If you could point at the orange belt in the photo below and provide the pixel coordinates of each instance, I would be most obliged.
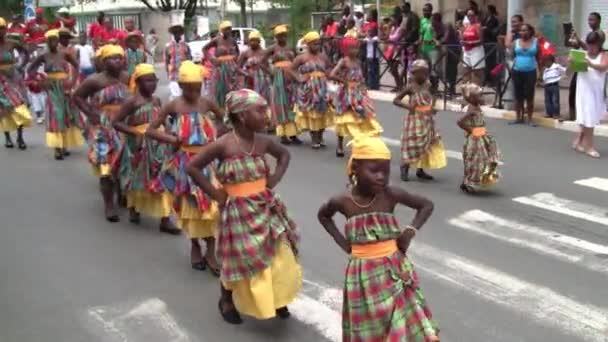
(316, 74)
(353, 84)
(193, 149)
(111, 110)
(225, 58)
(141, 129)
(424, 109)
(283, 64)
(478, 131)
(374, 250)
(246, 188)
(59, 75)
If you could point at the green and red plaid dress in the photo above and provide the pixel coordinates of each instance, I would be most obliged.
(419, 134)
(382, 298)
(251, 226)
(479, 154)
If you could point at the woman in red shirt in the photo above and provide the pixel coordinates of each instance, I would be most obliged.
(473, 52)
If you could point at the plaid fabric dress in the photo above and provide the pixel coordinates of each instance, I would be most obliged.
(355, 112)
(257, 243)
(419, 135)
(382, 298)
(225, 77)
(312, 105)
(259, 82)
(283, 96)
(479, 154)
(13, 110)
(197, 213)
(141, 160)
(104, 141)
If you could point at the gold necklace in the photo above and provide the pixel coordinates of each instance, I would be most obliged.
(238, 141)
(362, 206)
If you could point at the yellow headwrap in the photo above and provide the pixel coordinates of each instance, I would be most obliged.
(190, 73)
(225, 24)
(279, 29)
(51, 34)
(143, 69)
(110, 50)
(311, 36)
(365, 147)
(2, 22)
(255, 34)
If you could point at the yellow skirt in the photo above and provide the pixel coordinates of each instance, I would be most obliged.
(72, 137)
(275, 287)
(20, 117)
(435, 158)
(350, 125)
(313, 120)
(289, 129)
(195, 223)
(103, 170)
(158, 205)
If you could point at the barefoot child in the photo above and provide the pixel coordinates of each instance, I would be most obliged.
(257, 241)
(141, 159)
(382, 297)
(421, 145)
(480, 154)
(191, 129)
(355, 113)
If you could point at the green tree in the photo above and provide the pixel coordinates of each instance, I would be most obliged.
(243, 6)
(169, 5)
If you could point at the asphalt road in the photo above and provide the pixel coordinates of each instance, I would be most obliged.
(527, 261)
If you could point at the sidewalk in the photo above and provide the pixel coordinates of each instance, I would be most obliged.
(505, 114)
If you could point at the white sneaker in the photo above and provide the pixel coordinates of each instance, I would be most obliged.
(40, 120)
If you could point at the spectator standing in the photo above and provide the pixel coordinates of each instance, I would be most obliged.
(85, 56)
(111, 34)
(343, 21)
(65, 20)
(394, 47)
(472, 47)
(410, 27)
(446, 36)
(152, 43)
(491, 30)
(426, 43)
(590, 105)
(552, 74)
(526, 53)
(96, 30)
(36, 28)
(372, 59)
(37, 96)
(16, 27)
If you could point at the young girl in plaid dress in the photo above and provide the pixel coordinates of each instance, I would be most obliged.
(382, 298)
(421, 145)
(257, 241)
(480, 153)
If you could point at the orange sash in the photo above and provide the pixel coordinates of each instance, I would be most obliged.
(316, 74)
(353, 84)
(193, 149)
(59, 75)
(374, 250)
(225, 58)
(111, 110)
(424, 109)
(283, 64)
(478, 132)
(141, 129)
(246, 188)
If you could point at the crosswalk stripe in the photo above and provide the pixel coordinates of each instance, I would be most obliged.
(540, 303)
(321, 317)
(548, 201)
(563, 247)
(594, 182)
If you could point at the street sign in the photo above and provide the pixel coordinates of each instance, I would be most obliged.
(29, 10)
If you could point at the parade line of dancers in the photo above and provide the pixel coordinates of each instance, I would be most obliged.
(203, 160)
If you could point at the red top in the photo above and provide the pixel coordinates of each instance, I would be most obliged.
(35, 30)
(331, 30)
(34, 82)
(369, 25)
(96, 31)
(69, 23)
(470, 34)
(16, 28)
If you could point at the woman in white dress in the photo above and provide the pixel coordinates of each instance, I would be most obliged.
(590, 105)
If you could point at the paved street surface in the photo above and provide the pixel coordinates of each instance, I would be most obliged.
(527, 261)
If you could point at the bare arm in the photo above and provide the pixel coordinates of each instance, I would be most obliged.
(398, 101)
(126, 109)
(422, 206)
(70, 59)
(602, 65)
(153, 131)
(334, 74)
(461, 123)
(326, 217)
(281, 154)
(81, 95)
(209, 153)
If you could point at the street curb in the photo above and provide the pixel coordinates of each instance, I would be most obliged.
(503, 114)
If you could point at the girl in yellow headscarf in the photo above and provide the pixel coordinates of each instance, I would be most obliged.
(62, 121)
(377, 245)
(99, 98)
(141, 159)
(312, 106)
(192, 128)
(14, 114)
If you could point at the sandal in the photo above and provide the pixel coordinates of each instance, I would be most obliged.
(113, 218)
(230, 316)
(21, 144)
(134, 217)
(215, 271)
(283, 313)
(466, 189)
(9, 144)
(316, 146)
(423, 175)
(340, 153)
(593, 154)
(285, 141)
(168, 229)
(296, 141)
(199, 266)
(58, 155)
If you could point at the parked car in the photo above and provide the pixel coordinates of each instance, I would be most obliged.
(240, 34)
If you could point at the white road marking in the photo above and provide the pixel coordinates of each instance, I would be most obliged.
(564, 247)
(548, 201)
(542, 304)
(594, 182)
(326, 321)
(146, 321)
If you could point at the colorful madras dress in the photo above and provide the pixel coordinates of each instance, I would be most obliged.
(479, 153)
(283, 96)
(140, 165)
(104, 142)
(382, 298)
(257, 241)
(312, 108)
(421, 144)
(13, 109)
(63, 118)
(133, 58)
(225, 76)
(259, 81)
(197, 214)
(354, 108)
